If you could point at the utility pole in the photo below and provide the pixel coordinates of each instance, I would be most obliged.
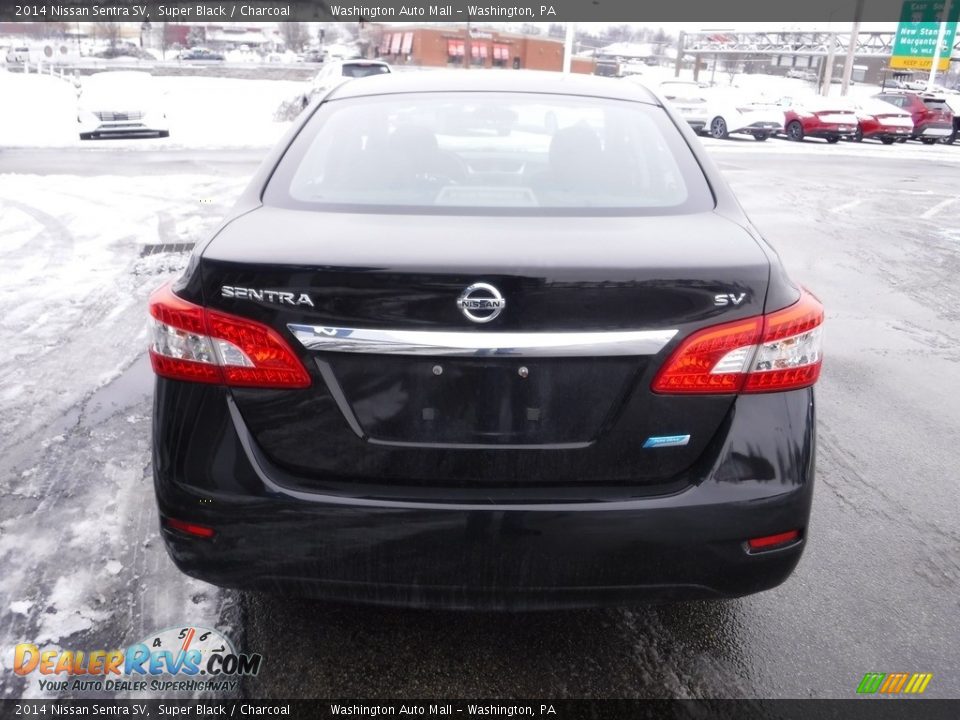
(852, 48)
(568, 46)
(679, 62)
(940, 37)
(828, 68)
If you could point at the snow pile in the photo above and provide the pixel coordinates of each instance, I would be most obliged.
(204, 112)
(37, 108)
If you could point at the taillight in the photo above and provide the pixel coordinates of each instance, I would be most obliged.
(194, 343)
(769, 353)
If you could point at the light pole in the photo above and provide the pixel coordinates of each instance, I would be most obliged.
(852, 48)
(936, 53)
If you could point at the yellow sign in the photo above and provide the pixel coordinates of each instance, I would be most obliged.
(909, 62)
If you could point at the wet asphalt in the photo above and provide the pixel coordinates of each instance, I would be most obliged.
(877, 238)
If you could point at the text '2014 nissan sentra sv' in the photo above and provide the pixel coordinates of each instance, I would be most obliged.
(486, 340)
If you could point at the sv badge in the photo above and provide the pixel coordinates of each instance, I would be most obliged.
(729, 299)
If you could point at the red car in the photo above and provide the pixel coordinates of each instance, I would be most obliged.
(822, 117)
(882, 121)
(932, 119)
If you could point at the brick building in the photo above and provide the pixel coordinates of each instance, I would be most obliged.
(450, 46)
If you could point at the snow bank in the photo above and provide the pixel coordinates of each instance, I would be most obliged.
(204, 112)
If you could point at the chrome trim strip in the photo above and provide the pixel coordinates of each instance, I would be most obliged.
(481, 344)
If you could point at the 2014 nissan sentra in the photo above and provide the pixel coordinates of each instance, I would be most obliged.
(433, 360)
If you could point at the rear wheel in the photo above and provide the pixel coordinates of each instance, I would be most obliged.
(833, 139)
(928, 141)
(86, 136)
(888, 141)
(163, 133)
(760, 137)
(795, 130)
(858, 136)
(718, 128)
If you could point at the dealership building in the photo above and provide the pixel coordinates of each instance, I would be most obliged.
(454, 46)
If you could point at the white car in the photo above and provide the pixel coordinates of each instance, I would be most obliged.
(18, 55)
(120, 103)
(689, 99)
(335, 71)
(738, 113)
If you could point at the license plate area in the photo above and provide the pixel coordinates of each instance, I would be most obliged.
(479, 401)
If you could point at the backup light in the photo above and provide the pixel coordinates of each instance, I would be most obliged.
(198, 344)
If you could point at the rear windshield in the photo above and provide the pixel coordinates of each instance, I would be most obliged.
(936, 104)
(359, 71)
(513, 153)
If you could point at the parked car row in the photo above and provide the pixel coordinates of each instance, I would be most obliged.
(890, 116)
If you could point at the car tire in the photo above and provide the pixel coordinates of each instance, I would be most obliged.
(928, 141)
(87, 136)
(760, 137)
(858, 135)
(833, 139)
(718, 128)
(795, 130)
(888, 141)
(163, 133)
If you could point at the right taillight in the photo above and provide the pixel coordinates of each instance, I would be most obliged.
(769, 353)
(197, 344)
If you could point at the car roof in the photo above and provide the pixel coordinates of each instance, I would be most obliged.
(523, 81)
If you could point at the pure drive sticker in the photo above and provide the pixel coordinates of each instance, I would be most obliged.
(659, 441)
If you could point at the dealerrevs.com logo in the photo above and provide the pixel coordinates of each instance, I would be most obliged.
(184, 659)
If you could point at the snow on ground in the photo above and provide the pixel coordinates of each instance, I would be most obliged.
(80, 557)
(40, 110)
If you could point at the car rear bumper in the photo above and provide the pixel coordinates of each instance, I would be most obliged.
(937, 130)
(893, 131)
(527, 553)
(826, 131)
(768, 127)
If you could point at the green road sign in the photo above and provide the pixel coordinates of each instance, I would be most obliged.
(916, 41)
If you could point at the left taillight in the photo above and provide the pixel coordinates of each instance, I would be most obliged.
(198, 344)
(766, 353)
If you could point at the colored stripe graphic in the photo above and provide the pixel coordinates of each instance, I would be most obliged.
(870, 683)
(894, 683)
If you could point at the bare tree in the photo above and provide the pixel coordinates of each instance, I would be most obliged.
(731, 63)
(164, 39)
(294, 35)
(109, 31)
(196, 36)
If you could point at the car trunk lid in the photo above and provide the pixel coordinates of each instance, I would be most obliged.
(556, 389)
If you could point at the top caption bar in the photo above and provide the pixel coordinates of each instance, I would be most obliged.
(649, 12)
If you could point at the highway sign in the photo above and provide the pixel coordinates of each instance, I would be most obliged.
(916, 40)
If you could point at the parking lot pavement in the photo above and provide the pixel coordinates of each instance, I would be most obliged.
(874, 235)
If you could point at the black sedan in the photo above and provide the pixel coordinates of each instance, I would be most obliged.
(430, 362)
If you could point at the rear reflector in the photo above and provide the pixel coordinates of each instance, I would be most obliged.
(769, 542)
(768, 353)
(189, 528)
(197, 344)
